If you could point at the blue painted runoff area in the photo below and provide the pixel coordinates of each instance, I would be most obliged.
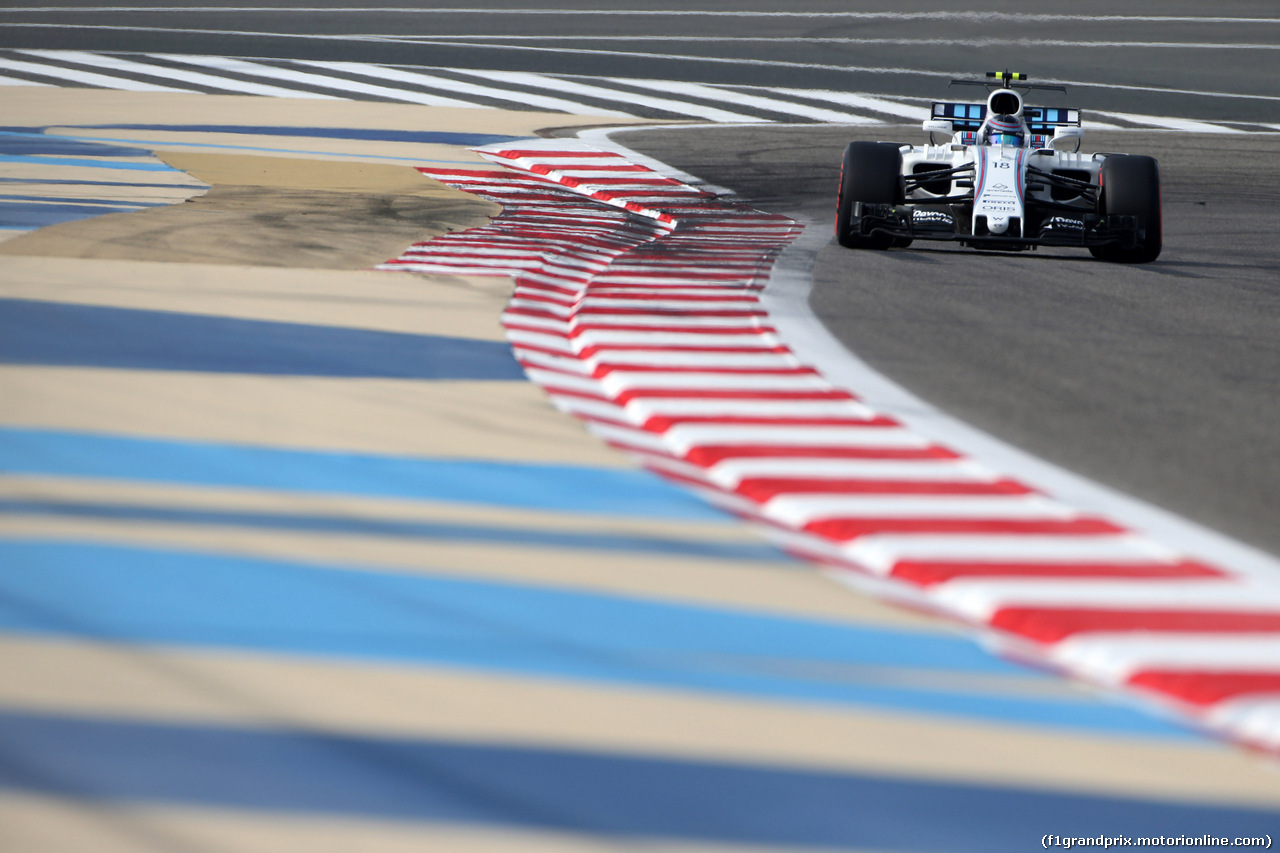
(555, 488)
(628, 797)
(192, 183)
(24, 141)
(425, 531)
(134, 595)
(421, 137)
(83, 161)
(33, 145)
(52, 333)
(26, 215)
(57, 199)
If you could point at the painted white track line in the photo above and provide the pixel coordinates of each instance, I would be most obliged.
(686, 362)
(87, 78)
(614, 97)
(126, 66)
(460, 87)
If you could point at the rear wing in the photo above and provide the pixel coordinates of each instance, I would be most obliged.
(1041, 121)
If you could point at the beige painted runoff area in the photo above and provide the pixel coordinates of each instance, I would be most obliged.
(288, 231)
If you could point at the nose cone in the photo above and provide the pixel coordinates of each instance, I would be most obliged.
(997, 224)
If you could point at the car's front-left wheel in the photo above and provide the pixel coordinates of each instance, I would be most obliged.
(1131, 187)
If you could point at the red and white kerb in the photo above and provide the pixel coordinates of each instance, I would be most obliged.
(637, 308)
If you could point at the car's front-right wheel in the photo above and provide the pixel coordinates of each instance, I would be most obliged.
(871, 174)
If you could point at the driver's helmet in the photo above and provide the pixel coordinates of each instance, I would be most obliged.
(1004, 130)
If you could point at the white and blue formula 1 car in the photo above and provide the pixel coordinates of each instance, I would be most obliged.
(1011, 177)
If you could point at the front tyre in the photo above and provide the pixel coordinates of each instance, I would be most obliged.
(871, 173)
(1131, 187)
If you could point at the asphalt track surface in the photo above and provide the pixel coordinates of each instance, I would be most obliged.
(1169, 58)
(808, 43)
(1157, 380)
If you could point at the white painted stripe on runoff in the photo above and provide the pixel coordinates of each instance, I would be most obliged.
(717, 290)
(543, 81)
(88, 78)
(565, 362)
(471, 250)
(620, 381)
(595, 304)
(799, 509)
(733, 471)
(688, 360)
(980, 598)
(629, 437)
(686, 437)
(708, 360)
(557, 379)
(1115, 657)
(729, 96)
(861, 101)
(881, 551)
(864, 69)
(254, 69)
(1257, 718)
(783, 410)
(681, 408)
(18, 81)
(115, 63)
(659, 324)
(1185, 125)
(462, 87)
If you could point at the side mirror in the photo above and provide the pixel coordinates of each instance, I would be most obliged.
(937, 125)
(1067, 136)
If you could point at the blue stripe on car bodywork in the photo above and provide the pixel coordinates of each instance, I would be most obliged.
(53, 333)
(527, 485)
(117, 594)
(598, 794)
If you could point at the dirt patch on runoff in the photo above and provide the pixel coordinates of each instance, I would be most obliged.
(272, 211)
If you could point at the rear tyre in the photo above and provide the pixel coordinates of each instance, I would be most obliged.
(1131, 187)
(871, 173)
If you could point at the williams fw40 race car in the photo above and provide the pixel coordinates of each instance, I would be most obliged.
(1009, 177)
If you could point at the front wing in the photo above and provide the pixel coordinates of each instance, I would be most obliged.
(1054, 229)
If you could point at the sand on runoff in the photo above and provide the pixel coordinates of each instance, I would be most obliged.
(302, 202)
